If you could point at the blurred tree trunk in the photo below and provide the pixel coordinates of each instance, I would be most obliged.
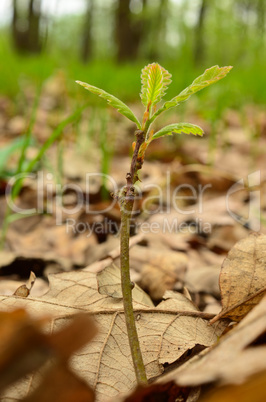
(129, 32)
(86, 45)
(199, 51)
(159, 24)
(26, 29)
(261, 16)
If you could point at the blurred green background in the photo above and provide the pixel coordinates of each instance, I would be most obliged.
(107, 42)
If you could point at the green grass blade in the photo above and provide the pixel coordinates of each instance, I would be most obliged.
(8, 150)
(179, 128)
(28, 135)
(53, 137)
(113, 101)
(155, 81)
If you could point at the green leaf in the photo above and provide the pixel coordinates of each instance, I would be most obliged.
(210, 76)
(179, 128)
(155, 81)
(113, 101)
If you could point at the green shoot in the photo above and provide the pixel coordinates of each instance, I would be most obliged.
(155, 81)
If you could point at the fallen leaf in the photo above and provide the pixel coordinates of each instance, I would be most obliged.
(169, 392)
(232, 360)
(253, 390)
(25, 345)
(204, 279)
(160, 270)
(60, 384)
(109, 283)
(166, 332)
(243, 277)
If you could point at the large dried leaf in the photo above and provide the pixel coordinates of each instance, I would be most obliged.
(165, 332)
(61, 385)
(25, 346)
(232, 360)
(243, 277)
(160, 270)
(109, 283)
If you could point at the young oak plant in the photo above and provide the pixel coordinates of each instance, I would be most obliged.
(155, 81)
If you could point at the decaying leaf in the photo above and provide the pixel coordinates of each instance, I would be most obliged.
(252, 390)
(232, 360)
(160, 270)
(166, 332)
(109, 283)
(160, 392)
(60, 384)
(25, 345)
(243, 277)
(168, 392)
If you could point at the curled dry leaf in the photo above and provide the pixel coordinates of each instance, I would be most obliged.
(24, 290)
(231, 361)
(243, 277)
(166, 332)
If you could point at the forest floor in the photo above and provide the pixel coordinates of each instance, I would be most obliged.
(198, 197)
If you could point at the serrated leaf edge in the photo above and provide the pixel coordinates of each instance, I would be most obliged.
(155, 80)
(179, 128)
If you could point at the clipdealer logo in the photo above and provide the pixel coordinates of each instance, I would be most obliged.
(50, 199)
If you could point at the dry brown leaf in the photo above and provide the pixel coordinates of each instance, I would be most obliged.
(25, 346)
(169, 392)
(109, 283)
(243, 277)
(165, 332)
(160, 270)
(232, 360)
(60, 384)
(203, 279)
(252, 390)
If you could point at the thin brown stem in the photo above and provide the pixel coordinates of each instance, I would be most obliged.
(126, 206)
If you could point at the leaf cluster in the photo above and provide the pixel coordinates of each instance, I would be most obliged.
(155, 81)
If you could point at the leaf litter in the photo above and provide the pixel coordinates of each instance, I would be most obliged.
(68, 294)
(166, 332)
